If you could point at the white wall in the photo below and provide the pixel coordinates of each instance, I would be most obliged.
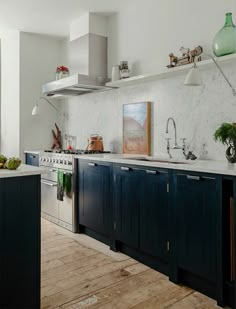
(144, 33)
(39, 57)
(27, 61)
(10, 108)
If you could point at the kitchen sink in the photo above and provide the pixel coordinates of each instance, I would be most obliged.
(158, 160)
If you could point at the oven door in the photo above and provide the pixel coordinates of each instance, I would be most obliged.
(49, 203)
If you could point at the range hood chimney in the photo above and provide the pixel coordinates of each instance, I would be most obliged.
(87, 53)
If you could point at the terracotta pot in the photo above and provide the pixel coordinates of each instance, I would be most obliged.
(95, 143)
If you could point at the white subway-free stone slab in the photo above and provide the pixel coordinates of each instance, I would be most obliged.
(203, 166)
(23, 170)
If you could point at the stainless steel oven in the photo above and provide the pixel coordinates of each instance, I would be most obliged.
(59, 212)
(63, 213)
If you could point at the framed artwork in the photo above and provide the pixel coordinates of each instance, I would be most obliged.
(137, 128)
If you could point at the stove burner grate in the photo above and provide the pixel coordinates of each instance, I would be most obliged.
(76, 151)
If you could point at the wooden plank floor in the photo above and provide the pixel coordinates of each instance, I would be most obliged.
(79, 272)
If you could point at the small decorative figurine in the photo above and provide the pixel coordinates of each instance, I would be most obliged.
(56, 138)
(124, 70)
(187, 57)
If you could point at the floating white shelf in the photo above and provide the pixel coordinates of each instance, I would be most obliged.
(140, 79)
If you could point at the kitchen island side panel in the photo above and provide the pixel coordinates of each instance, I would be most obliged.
(20, 242)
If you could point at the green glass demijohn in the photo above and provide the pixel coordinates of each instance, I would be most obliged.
(224, 42)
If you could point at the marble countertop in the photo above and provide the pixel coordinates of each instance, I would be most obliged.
(33, 151)
(205, 166)
(23, 170)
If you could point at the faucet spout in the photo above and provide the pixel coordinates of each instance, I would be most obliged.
(167, 130)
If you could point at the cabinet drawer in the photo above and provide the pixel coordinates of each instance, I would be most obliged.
(32, 159)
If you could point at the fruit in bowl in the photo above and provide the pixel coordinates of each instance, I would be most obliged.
(3, 160)
(11, 163)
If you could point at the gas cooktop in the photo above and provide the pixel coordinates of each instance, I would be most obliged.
(76, 151)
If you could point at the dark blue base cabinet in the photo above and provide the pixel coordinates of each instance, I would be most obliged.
(20, 242)
(32, 159)
(95, 207)
(141, 202)
(176, 222)
(196, 211)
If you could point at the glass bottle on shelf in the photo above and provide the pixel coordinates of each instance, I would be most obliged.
(224, 42)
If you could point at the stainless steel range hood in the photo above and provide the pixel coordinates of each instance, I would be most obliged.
(87, 57)
(74, 85)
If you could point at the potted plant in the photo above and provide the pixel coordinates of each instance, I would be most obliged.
(226, 134)
(62, 72)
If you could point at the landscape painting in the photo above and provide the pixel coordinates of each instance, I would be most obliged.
(137, 128)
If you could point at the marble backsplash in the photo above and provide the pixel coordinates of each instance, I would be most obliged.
(198, 111)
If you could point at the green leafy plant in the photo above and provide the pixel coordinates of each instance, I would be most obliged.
(226, 134)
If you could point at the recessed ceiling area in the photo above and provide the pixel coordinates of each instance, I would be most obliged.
(52, 17)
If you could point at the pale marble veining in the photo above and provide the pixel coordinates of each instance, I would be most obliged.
(198, 111)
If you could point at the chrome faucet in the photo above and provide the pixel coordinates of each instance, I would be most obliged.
(168, 147)
(190, 155)
(167, 131)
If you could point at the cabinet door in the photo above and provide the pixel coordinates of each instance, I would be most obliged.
(196, 203)
(154, 213)
(32, 159)
(94, 197)
(65, 210)
(126, 203)
(20, 242)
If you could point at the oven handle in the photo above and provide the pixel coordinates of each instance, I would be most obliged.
(49, 183)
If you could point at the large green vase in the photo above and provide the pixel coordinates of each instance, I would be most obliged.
(224, 42)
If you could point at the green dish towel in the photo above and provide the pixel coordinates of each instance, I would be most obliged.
(60, 185)
(68, 184)
(64, 185)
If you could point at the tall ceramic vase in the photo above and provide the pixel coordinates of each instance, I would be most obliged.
(231, 153)
(224, 42)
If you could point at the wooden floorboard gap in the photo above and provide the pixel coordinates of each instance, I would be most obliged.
(77, 276)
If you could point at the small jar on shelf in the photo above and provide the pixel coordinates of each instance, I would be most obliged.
(124, 70)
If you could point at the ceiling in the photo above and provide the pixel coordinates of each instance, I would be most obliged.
(51, 17)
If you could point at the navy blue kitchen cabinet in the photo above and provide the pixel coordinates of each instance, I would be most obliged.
(141, 201)
(176, 222)
(32, 159)
(95, 206)
(20, 242)
(196, 208)
(126, 192)
(154, 209)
